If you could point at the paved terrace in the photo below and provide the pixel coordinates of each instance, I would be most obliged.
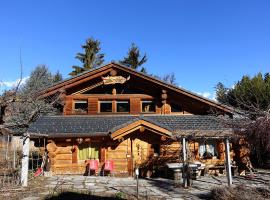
(149, 188)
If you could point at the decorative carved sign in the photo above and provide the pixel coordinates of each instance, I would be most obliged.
(109, 80)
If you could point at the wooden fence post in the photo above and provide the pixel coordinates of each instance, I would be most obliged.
(228, 162)
(184, 150)
(25, 160)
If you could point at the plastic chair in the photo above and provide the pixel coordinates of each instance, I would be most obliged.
(92, 165)
(108, 166)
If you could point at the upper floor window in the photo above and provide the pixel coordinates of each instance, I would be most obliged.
(122, 106)
(148, 106)
(80, 106)
(105, 106)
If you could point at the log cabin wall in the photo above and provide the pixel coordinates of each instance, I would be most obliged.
(170, 151)
(63, 155)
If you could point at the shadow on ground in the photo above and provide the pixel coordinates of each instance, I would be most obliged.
(75, 195)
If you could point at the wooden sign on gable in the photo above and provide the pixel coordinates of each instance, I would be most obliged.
(109, 80)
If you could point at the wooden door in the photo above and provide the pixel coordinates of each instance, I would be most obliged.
(139, 151)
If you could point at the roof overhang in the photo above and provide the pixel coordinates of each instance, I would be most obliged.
(141, 125)
(198, 134)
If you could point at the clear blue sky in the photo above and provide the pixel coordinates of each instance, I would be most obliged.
(202, 42)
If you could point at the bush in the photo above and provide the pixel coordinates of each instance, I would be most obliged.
(241, 192)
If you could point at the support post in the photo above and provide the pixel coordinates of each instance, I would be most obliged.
(14, 153)
(185, 169)
(184, 150)
(25, 160)
(137, 178)
(228, 162)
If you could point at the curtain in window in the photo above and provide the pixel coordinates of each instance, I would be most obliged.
(208, 148)
(87, 152)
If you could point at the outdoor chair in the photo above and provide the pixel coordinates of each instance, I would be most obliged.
(92, 165)
(108, 167)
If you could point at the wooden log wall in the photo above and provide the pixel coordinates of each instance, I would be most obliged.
(60, 158)
(64, 160)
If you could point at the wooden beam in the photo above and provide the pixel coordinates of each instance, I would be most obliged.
(88, 88)
(228, 162)
(137, 125)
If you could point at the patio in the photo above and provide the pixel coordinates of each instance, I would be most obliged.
(148, 188)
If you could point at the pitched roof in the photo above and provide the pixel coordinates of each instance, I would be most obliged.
(70, 81)
(86, 126)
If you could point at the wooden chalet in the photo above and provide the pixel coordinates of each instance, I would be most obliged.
(117, 114)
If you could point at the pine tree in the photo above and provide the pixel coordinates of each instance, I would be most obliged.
(133, 59)
(91, 58)
(249, 94)
(57, 77)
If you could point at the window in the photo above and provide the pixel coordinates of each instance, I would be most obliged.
(105, 106)
(156, 148)
(176, 108)
(80, 106)
(122, 106)
(87, 152)
(207, 150)
(148, 106)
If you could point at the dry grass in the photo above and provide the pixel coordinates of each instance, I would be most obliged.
(241, 192)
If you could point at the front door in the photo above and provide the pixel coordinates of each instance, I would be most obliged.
(139, 150)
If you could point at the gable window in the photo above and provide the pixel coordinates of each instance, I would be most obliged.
(122, 106)
(80, 106)
(148, 106)
(105, 106)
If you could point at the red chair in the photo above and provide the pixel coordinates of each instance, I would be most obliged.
(92, 165)
(108, 166)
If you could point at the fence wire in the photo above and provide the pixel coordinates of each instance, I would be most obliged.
(10, 162)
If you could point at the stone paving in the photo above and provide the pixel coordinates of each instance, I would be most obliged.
(148, 188)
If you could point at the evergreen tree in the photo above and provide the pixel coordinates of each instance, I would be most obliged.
(133, 59)
(249, 94)
(57, 77)
(91, 58)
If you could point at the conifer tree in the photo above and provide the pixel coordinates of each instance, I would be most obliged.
(90, 58)
(133, 59)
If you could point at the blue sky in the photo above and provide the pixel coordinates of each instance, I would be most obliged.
(202, 42)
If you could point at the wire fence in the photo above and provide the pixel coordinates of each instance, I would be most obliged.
(10, 162)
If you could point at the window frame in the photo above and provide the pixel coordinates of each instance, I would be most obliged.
(122, 101)
(80, 111)
(105, 101)
(144, 101)
(208, 147)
